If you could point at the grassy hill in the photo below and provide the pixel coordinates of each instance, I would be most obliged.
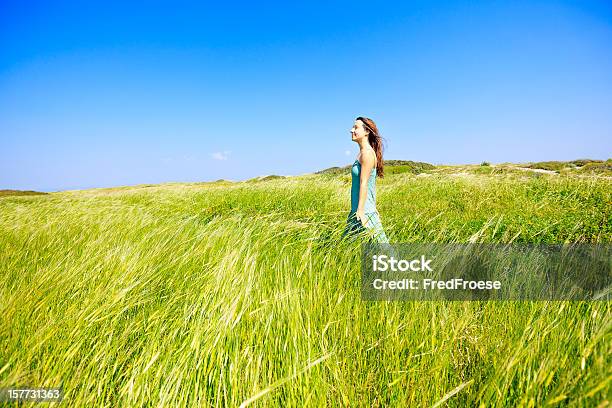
(227, 293)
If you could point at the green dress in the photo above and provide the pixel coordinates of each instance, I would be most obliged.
(374, 226)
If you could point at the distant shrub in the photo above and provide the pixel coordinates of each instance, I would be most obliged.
(549, 165)
(582, 162)
(485, 163)
(334, 170)
(272, 177)
(391, 167)
(265, 178)
(560, 165)
(397, 169)
(6, 193)
(416, 167)
(598, 167)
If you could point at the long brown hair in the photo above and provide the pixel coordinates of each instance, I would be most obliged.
(376, 141)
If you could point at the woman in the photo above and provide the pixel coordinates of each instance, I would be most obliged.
(369, 163)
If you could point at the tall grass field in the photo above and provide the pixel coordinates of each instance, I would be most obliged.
(243, 294)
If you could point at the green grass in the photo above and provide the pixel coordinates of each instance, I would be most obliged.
(217, 294)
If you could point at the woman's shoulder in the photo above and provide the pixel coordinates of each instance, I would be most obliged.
(370, 152)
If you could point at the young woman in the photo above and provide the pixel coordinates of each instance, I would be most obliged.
(367, 166)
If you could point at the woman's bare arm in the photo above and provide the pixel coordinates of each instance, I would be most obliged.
(367, 164)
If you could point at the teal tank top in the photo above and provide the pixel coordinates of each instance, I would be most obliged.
(370, 204)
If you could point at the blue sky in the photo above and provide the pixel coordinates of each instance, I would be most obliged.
(96, 94)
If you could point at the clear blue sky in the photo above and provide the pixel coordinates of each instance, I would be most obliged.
(96, 94)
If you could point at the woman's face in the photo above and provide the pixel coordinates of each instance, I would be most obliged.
(358, 131)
